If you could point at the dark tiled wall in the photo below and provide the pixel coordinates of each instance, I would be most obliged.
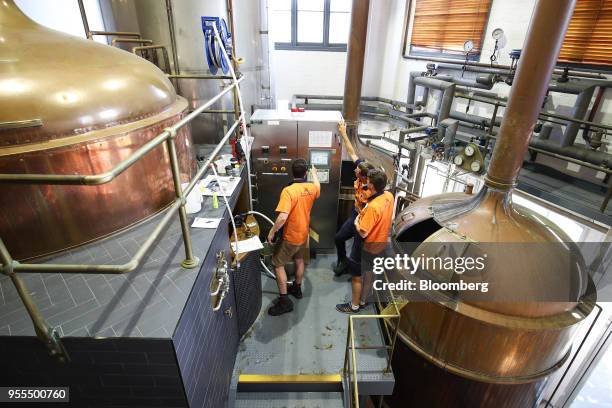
(206, 342)
(114, 372)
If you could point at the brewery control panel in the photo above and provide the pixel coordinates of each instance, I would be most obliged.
(281, 137)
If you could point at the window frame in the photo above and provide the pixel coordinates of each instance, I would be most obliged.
(309, 46)
(409, 54)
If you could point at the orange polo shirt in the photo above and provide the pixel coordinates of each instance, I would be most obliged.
(297, 200)
(375, 219)
(361, 194)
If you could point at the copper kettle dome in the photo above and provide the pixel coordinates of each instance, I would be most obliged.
(72, 85)
(74, 106)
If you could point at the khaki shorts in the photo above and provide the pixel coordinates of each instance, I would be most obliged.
(284, 252)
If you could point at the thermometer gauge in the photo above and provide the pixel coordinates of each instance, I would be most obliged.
(458, 160)
(497, 34)
(475, 166)
(468, 46)
(469, 150)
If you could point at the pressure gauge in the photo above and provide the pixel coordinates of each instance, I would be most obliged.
(475, 166)
(497, 34)
(469, 150)
(458, 160)
(468, 46)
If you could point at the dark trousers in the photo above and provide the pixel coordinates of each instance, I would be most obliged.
(346, 232)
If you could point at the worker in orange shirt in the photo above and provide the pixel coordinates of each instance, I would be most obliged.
(362, 193)
(293, 209)
(373, 225)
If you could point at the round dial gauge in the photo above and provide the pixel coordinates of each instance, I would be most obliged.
(469, 150)
(475, 166)
(458, 160)
(497, 34)
(468, 46)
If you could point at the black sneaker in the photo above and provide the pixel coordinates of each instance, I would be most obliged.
(340, 268)
(295, 290)
(281, 305)
(347, 308)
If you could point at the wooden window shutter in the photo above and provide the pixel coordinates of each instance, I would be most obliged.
(444, 25)
(589, 36)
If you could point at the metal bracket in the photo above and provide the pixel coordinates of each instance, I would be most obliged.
(219, 284)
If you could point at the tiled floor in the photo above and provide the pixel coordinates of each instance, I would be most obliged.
(312, 338)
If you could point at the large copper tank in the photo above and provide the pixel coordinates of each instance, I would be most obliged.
(88, 106)
(495, 350)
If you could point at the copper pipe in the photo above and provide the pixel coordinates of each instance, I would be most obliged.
(352, 87)
(542, 44)
(354, 63)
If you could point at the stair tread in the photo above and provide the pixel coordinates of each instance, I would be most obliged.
(289, 400)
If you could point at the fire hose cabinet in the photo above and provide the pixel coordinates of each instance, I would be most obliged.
(282, 136)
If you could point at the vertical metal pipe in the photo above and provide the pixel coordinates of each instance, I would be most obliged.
(42, 329)
(354, 64)
(175, 59)
(190, 261)
(230, 17)
(542, 44)
(581, 106)
(84, 18)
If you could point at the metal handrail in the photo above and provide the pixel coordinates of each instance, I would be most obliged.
(350, 343)
(48, 335)
(103, 178)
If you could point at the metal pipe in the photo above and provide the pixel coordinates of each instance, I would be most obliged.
(195, 76)
(190, 261)
(482, 82)
(170, 15)
(41, 327)
(130, 41)
(543, 115)
(115, 33)
(557, 71)
(355, 62)
(108, 176)
(581, 106)
(84, 18)
(448, 91)
(447, 129)
(542, 44)
(596, 157)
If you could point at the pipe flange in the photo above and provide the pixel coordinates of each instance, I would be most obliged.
(498, 185)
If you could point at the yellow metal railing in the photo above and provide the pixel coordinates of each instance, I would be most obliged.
(350, 368)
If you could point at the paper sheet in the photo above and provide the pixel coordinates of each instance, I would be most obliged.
(212, 223)
(247, 245)
(320, 138)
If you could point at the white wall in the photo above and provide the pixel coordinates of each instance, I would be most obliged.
(63, 15)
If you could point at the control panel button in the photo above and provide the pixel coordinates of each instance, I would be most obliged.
(282, 149)
(265, 149)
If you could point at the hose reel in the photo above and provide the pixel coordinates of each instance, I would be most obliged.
(212, 49)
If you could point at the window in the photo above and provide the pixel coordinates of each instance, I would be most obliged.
(441, 27)
(318, 25)
(589, 36)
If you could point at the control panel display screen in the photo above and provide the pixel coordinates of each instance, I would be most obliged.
(319, 158)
